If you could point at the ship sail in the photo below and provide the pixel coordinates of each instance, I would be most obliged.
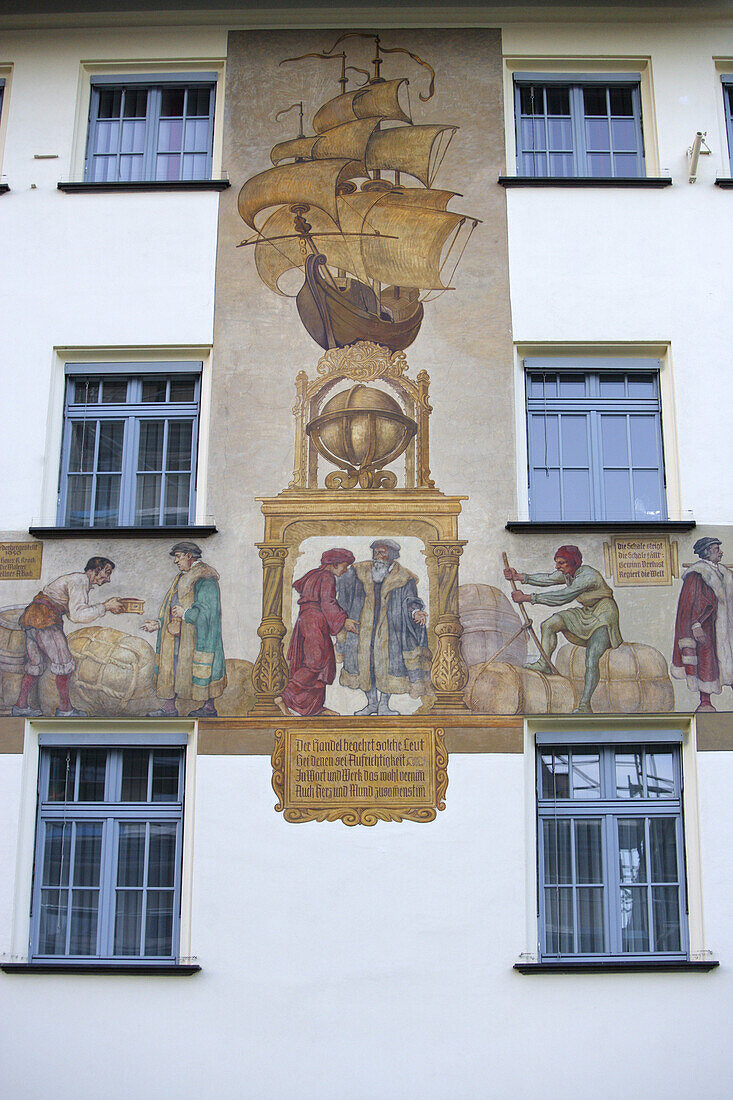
(312, 182)
(407, 149)
(410, 243)
(373, 101)
(298, 148)
(350, 140)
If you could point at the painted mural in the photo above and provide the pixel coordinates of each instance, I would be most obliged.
(351, 591)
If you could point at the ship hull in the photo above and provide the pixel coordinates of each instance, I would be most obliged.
(334, 321)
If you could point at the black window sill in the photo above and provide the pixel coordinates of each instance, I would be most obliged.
(641, 182)
(4, 188)
(635, 526)
(146, 185)
(614, 966)
(203, 531)
(725, 183)
(168, 969)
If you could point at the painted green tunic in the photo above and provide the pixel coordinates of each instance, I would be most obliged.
(192, 665)
(597, 605)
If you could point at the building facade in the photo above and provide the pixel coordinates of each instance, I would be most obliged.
(365, 446)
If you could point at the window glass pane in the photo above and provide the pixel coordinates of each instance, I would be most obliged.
(53, 918)
(165, 775)
(623, 131)
(560, 134)
(588, 852)
(555, 775)
(617, 494)
(586, 775)
(170, 135)
(558, 857)
(591, 931)
(663, 849)
(612, 385)
(159, 922)
(107, 504)
(132, 138)
(544, 439)
(572, 385)
(111, 437)
(84, 921)
(135, 764)
(647, 494)
(642, 386)
(114, 391)
(597, 135)
(632, 849)
(599, 164)
(154, 389)
(83, 445)
(622, 101)
(626, 164)
(644, 439)
(128, 922)
(110, 103)
(78, 500)
(533, 135)
(660, 781)
(85, 391)
(92, 769)
(171, 102)
(559, 920)
(576, 494)
(182, 389)
(131, 855)
(196, 136)
(198, 102)
(135, 102)
(147, 501)
(168, 166)
(162, 857)
(150, 452)
(634, 919)
(594, 100)
(57, 853)
(87, 853)
(666, 914)
(61, 775)
(558, 99)
(177, 489)
(531, 99)
(180, 435)
(630, 774)
(131, 168)
(574, 441)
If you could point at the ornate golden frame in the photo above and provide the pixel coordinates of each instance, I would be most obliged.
(361, 815)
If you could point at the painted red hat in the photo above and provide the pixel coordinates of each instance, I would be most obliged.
(336, 556)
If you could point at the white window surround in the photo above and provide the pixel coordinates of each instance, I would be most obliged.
(605, 727)
(6, 75)
(564, 351)
(562, 65)
(722, 152)
(28, 815)
(124, 356)
(120, 67)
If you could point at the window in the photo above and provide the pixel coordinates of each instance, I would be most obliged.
(107, 878)
(129, 447)
(150, 128)
(579, 125)
(611, 851)
(728, 102)
(594, 442)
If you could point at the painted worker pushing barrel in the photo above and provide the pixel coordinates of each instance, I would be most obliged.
(594, 624)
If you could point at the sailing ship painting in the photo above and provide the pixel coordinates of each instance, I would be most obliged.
(370, 250)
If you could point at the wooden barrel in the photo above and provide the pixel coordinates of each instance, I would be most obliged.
(489, 620)
(113, 675)
(12, 654)
(496, 688)
(634, 678)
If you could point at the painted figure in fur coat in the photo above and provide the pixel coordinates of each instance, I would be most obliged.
(703, 633)
(189, 655)
(389, 655)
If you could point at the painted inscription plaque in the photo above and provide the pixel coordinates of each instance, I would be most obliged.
(360, 776)
(20, 561)
(649, 560)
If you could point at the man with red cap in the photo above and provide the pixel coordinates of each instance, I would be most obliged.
(594, 624)
(310, 655)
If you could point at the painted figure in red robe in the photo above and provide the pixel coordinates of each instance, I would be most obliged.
(311, 655)
(703, 634)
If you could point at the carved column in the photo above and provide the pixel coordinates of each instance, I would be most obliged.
(270, 673)
(448, 672)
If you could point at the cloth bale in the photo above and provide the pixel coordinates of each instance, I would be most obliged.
(496, 688)
(489, 620)
(634, 678)
(113, 675)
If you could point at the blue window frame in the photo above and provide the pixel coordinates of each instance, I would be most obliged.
(579, 125)
(611, 850)
(129, 447)
(107, 878)
(150, 128)
(594, 436)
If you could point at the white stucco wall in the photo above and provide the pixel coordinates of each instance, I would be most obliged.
(620, 267)
(371, 962)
